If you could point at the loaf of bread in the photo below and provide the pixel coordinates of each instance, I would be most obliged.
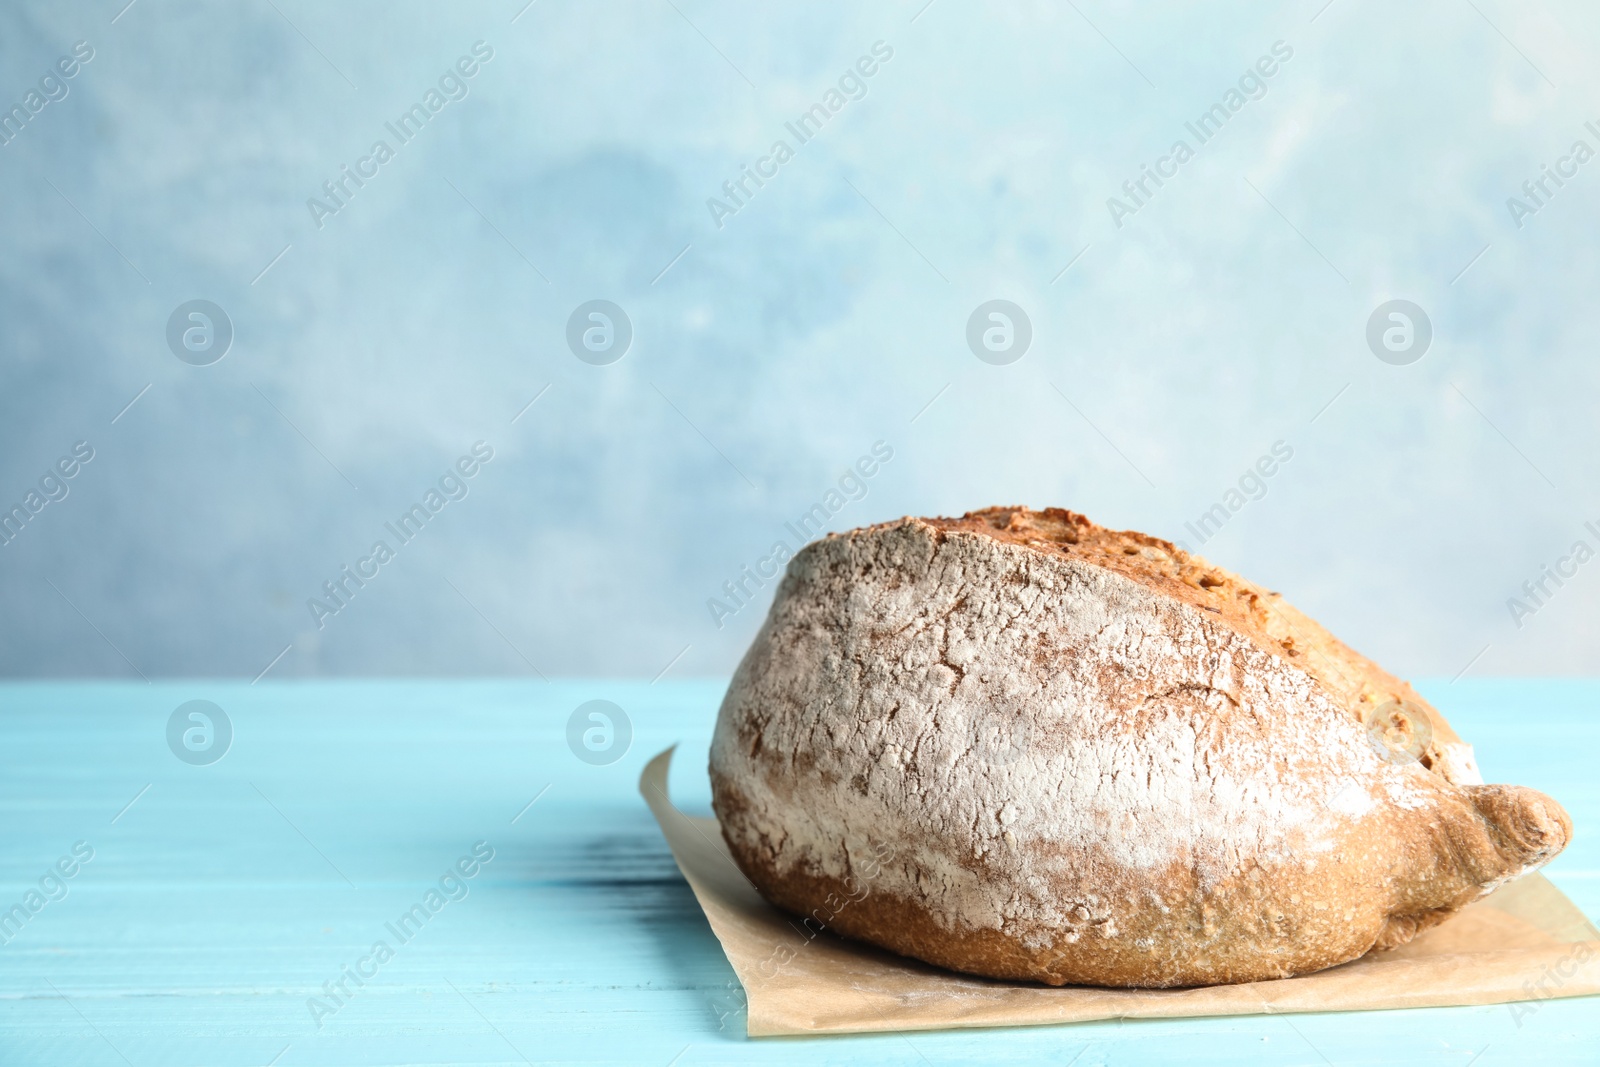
(1019, 745)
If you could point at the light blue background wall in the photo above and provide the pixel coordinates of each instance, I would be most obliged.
(823, 317)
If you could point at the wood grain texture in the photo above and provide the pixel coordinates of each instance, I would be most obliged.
(224, 898)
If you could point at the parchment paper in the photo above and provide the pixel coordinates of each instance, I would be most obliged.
(1525, 942)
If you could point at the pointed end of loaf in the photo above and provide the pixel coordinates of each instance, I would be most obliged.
(1530, 828)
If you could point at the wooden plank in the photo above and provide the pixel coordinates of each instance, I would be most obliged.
(219, 903)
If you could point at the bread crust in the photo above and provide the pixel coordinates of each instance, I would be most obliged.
(1091, 758)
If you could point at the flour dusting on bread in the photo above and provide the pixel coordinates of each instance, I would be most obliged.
(1089, 758)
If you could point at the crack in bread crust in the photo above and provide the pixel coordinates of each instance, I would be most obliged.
(1088, 758)
(1277, 626)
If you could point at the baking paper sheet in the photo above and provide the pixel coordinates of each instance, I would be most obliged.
(1525, 942)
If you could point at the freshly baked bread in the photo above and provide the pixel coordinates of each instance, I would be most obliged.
(1020, 745)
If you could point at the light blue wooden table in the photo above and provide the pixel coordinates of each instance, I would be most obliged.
(221, 898)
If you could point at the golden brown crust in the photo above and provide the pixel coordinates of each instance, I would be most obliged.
(1276, 625)
(1229, 934)
(1182, 789)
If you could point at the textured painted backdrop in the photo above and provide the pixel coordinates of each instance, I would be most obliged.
(1172, 345)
